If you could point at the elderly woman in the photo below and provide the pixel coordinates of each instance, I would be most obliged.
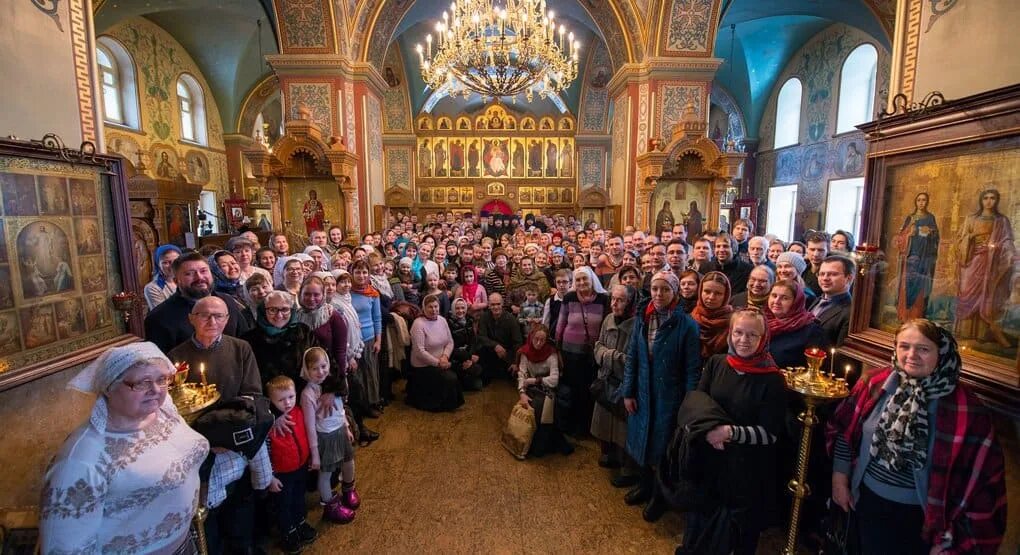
(577, 329)
(663, 363)
(110, 488)
(915, 454)
(792, 326)
(610, 427)
(162, 284)
(410, 288)
(538, 375)
(759, 282)
(292, 275)
(712, 313)
(464, 358)
(748, 388)
(432, 384)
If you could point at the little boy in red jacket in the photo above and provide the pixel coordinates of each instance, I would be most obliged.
(289, 453)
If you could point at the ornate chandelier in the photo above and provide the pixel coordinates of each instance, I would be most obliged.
(499, 51)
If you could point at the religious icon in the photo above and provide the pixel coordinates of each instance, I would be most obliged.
(87, 232)
(664, 220)
(6, 293)
(425, 195)
(83, 197)
(986, 250)
(553, 195)
(38, 325)
(452, 195)
(853, 160)
(314, 213)
(70, 319)
(693, 220)
(528, 124)
(535, 158)
(164, 169)
(10, 340)
(440, 161)
(546, 124)
(918, 244)
(93, 272)
(551, 158)
(465, 195)
(53, 196)
(539, 195)
(457, 158)
(178, 223)
(424, 159)
(391, 78)
(444, 123)
(495, 122)
(567, 159)
(567, 195)
(463, 124)
(44, 254)
(97, 313)
(474, 156)
(198, 167)
(525, 194)
(496, 158)
(19, 194)
(518, 166)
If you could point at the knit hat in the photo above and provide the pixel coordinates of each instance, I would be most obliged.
(559, 251)
(794, 259)
(670, 279)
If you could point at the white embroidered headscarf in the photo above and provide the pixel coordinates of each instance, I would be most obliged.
(596, 285)
(97, 377)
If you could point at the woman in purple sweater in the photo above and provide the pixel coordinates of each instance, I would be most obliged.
(432, 384)
(580, 321)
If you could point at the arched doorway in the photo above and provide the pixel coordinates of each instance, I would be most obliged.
(496, 207)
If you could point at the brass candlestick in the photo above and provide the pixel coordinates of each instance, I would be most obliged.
(817, 389)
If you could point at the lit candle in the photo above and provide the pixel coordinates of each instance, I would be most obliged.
(201, 372)
(832, 363)
(846, 371)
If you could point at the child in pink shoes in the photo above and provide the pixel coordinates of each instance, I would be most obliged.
(332, 446)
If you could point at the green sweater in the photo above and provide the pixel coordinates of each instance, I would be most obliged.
(230, 365)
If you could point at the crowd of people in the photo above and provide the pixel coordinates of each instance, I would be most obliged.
(665, 348)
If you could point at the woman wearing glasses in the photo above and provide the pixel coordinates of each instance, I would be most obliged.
(99, 498)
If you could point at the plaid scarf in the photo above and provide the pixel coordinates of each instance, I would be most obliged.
(901, 437)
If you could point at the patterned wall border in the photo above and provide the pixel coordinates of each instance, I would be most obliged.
(82, 48)
(911, 40)
(394, 157)
(287, 35)
(666, 121)
(668, 17)
(643, 123)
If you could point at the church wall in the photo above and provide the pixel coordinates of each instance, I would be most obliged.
(49, 57)
(159, 61)
(957, 48)
(821, 155)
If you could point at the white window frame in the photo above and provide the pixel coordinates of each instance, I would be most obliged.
(784, 194)
(836, 206)
(856, 103)
(121, 73)
(788, 108)
(191, 107)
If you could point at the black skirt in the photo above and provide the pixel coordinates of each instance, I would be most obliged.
(433, 389)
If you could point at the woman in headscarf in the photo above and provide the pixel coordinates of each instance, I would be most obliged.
(915, 454)
(379, 279)
(538, 376)
(226, 274)
(357, 401)
(162, 284)
(432, 384)
(100, 499)
(320, 262)
(792, 326)
(663, 363)
(464, 359)
(292, 274)
(405, 280)
(324, 320)
(690, 280)
(790, 266)
(472, 291)
(747, 386)
(712, 313)
(577, 328)
(610, 427)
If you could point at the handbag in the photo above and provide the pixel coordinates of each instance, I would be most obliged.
(519, 431)
(606, 392)
(240, 424)
(840, 537)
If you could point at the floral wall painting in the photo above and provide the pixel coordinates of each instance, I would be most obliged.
(950, 251)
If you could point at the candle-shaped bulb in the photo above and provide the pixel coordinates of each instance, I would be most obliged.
(201, 372)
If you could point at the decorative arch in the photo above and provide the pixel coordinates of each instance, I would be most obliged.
(616, 20)
(255, 102)
(737, 128)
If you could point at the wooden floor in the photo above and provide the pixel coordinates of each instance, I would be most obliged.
(441, 483)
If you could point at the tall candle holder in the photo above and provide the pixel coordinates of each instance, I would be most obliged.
(866, 256)
(124, 302)
(817, 388)
(191, 398)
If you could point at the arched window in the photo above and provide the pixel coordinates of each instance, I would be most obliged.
(788, 114)
(191, 103)
(857, 88)
(117, 80)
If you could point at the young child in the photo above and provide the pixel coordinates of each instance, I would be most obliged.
(289, 454)
(332, 444)
(531, 309)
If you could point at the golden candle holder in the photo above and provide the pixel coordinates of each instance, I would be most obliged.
(817, 388)
(191, 398)
(866, 256)
(124, 302)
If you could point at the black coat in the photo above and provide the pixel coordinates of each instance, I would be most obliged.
(835, 321)
(736, 270)
(168, 326)
(463, 340)
(281, 355)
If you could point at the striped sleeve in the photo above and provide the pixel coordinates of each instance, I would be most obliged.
(752, 435)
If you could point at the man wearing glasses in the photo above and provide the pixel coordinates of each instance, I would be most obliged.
(168, 325)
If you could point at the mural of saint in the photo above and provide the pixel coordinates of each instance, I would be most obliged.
(986, 266)
(164, 169)
(391, 78)
(425, 159)
(918, 243)
(535, 158)
(496, 158)
(440, 158)
(53, 195)
(693, 220)
(567, 159)
(551, 158)
(518, 166)
(853, 161)
(314, 213)
(457, 158)
(664, 220)
(474, 155)
(38, 325)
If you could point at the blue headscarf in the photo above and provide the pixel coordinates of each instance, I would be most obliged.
(222, 283)
(160, 251)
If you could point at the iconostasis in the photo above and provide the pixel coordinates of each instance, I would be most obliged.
(529, 162)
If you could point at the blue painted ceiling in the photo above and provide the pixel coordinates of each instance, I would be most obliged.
(765, 34)
(220, 35)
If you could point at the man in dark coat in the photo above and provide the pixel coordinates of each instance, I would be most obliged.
(499, 337)
(168, 326)
(832, 308)
(726, 261)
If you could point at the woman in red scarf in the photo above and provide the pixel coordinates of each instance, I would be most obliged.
(472, 291)
(792, 326)
(747, 386)
(538, 375)
(712, 313)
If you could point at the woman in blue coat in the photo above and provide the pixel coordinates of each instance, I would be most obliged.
(663, 364)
